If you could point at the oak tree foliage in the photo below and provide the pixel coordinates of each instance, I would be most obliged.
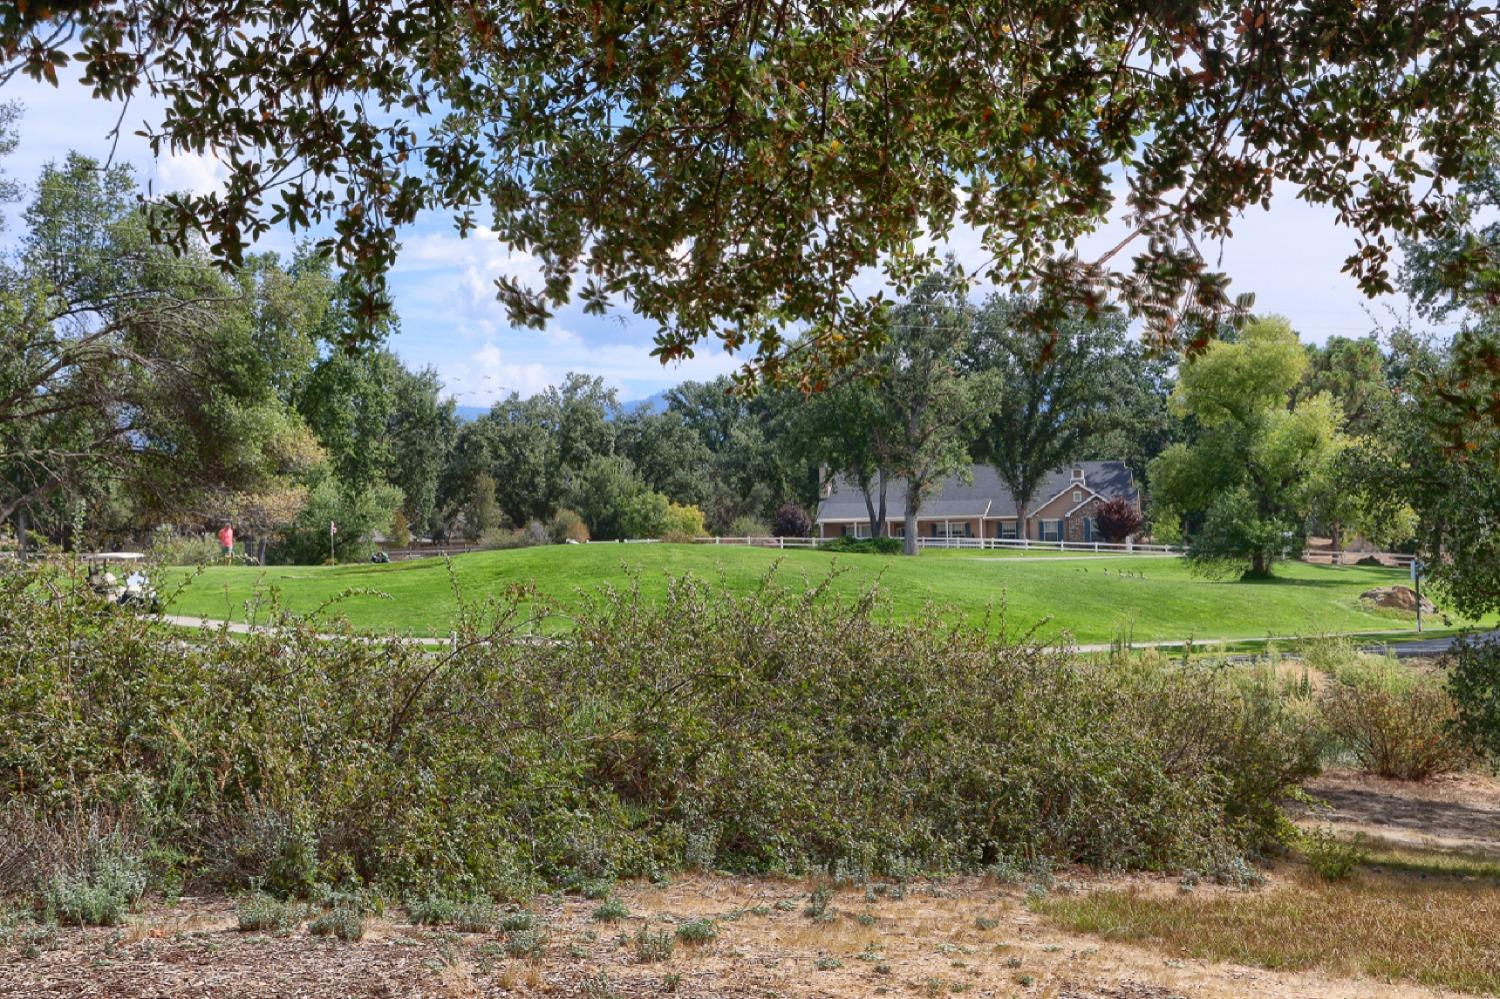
(731, 169)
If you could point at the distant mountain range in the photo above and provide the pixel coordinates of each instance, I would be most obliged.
(654, 403)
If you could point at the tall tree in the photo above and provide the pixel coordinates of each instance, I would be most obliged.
(849, 430)
(934, 405)
(125, 368)
(1052, 389)
(1257, 464)
(730, 170)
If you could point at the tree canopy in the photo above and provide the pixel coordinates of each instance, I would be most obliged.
(1255, 468)
(732, 170)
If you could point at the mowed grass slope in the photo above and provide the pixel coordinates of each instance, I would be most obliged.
(1093, 598)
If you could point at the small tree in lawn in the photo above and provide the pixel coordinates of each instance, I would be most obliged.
(791, 521)
(1117, 519)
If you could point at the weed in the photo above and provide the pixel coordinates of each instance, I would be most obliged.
(611, 911)
(98, 895)
(697, 931)
(520, 920)
(475, 917)
(817, 904)
(829, 964)
(526, 943)
(265, 913)
(345, 922)
(652, 946)
(431, 909)
(1332, 858)
(986, 922)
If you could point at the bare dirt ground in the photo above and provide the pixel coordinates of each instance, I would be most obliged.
(961, 936)
(1460, 812)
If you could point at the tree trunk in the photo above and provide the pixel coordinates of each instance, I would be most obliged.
(909, 543)
(1258, 563)
(870, 512)
(23, 534)
(1022, 528)
(881, 531)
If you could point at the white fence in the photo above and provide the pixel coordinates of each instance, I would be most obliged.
(1003, 544)
(976, 544)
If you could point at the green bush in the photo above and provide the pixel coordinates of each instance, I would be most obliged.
(1474, 684)
(431, 909)
(612, 910)
(1331, 858)
(1395, 721)
(475, 917)
(343, 921)
(261, 912)
(100, 894)
(803, 731)
(863, 546)
(653, 946)
(566, 525)
(697, 931)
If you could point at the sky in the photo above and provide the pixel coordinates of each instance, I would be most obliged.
(1290, 256)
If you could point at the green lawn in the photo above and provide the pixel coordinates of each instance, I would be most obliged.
(1094, 598)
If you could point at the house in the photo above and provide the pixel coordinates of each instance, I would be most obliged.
(1062, 510)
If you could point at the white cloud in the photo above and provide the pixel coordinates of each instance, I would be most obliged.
(195, 173)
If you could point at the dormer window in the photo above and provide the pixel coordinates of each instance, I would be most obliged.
(1078, 496)
(1077, 474)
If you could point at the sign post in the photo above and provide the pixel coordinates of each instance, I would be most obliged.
(333, 529)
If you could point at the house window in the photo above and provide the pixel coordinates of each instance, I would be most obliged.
(1077, 474)
(1077, 496)
(1007, 529)
(1051, 530)
(862, 530)
(1088, 529)
(950, 529)
(898, 530)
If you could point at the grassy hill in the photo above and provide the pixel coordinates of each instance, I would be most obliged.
(1092, 598)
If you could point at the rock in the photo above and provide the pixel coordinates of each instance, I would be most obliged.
(1398, 598)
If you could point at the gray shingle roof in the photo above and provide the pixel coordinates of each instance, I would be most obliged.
(984, 496)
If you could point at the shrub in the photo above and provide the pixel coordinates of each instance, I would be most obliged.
(1332, 858)
(611, 911)
(98, 895)
(261, 913)
(513, 922)
(1395, 721)
(186, 549)
(431, 909)
(791, 521)
(346, 922)
(863, 546)
(697, 931)
(652, 946)
(683, 523)
(526, 943)
(747, 526)
(475, 917)
(1118, 518)
(566, 525)
(1474, 684)
(807, 732)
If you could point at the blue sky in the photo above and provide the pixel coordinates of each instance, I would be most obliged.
(1290, 256)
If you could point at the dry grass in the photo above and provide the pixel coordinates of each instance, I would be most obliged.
(1409, 915)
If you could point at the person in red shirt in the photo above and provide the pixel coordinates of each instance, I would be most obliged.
(226, 540)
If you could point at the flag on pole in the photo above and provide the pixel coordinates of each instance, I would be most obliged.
(332, 528)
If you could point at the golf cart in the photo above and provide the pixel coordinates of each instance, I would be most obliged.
(135, 591)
